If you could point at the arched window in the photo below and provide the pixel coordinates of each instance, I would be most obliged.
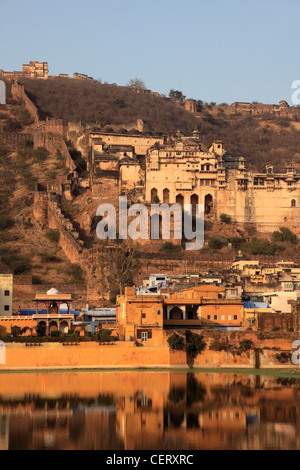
(180, 200)
(208, 203)
(176, 313)
(154, 196)
(293, 203)
(166, 196)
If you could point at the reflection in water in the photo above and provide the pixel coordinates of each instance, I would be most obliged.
(148, 410)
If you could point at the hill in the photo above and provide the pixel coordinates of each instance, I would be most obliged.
(96, 103)
(260, 140)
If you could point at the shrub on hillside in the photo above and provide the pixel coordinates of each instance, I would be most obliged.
(261, 247)
(215, 243)
(168, 247)
(225, 218)
(77, 273)
(20, 264)
(53, 235)
(284, 234)
(6, 222)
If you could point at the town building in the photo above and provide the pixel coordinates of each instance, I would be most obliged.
(36, 69)
(145, 318)
(6, 295)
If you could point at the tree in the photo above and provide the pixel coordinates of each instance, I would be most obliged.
(284, 235)
(136, 84)
(104, 335)
(195, 344)
(177, 95)
(121, 265)
(41, 330)
(176, 342)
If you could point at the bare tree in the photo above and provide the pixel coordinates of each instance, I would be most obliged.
(137, 84)
(121, 265)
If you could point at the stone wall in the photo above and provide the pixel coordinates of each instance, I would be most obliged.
(24, 292)
(123, 355)
(54, 143)
(268, 321)
(18, 93)
(69, 237)
(14, 140)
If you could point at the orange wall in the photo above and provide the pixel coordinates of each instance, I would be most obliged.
(87, 355)
(125, 355)
(7, 323)
(222, 310)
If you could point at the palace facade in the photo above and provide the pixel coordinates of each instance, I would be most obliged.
(180, 171)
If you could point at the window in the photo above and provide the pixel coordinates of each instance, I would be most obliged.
(6, 308)
(6, 293)
(144, 335)
(143, 315)
(208, 317)
(222, 317)
(293, 203)
(229, 317)
(235, 317)
(215, 317)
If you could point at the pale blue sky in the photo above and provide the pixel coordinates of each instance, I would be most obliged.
(214, 50)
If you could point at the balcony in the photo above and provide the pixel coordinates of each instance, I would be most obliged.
(197, 323)
(185, 186)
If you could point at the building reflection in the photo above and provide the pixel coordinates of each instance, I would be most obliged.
(148, 410)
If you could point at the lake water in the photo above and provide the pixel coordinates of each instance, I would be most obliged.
(153, 410)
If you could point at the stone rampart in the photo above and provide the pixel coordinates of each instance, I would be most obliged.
(18, 93)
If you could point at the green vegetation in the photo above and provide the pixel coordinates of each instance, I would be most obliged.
(225, 218)
(104, 335)
(195, 344)
(215, 243)
(53, 235)
(6, 222)
(245, 345)
(77, 273)
(17, 264)
(284, 123)
(176, 342)
(177, 95)
(261, 247)
(169, 247)
(237, 242)
(284, 234)
(20, 264)
(36, 280)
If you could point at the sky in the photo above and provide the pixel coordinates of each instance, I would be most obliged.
(210, 50)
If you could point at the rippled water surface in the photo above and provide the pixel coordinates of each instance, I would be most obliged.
(149, 410)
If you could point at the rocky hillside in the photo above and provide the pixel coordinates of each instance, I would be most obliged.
(260, 140)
